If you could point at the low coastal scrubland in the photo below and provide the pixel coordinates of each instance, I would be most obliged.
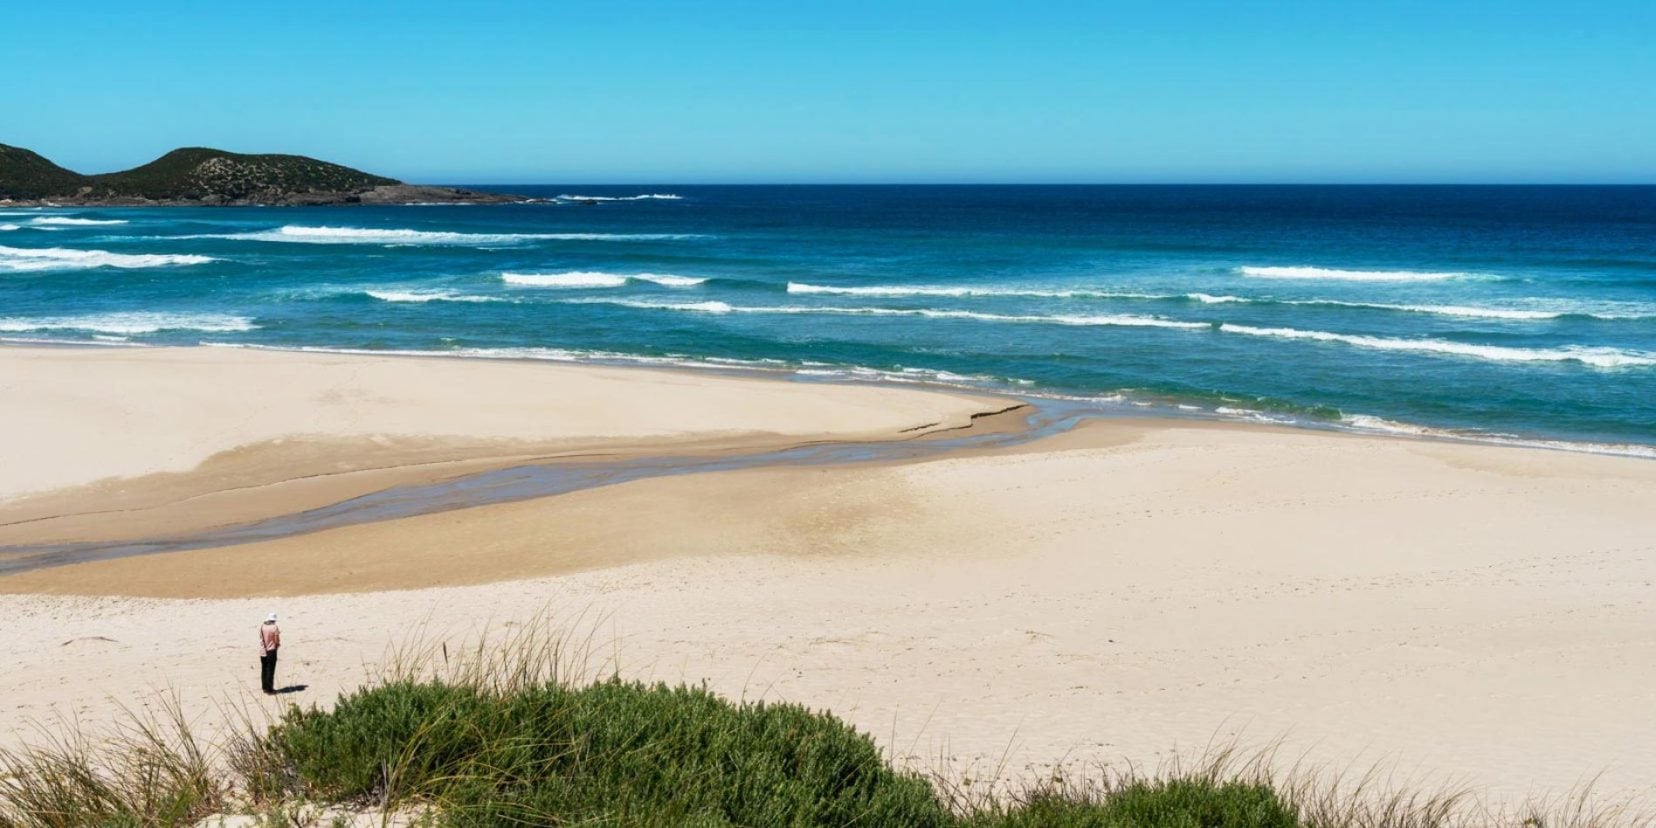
(517, 732)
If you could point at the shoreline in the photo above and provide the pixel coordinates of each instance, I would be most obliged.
(1109, 405)
(296, 484)
(292, 486)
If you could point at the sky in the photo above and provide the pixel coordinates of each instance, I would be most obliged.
(627, 91)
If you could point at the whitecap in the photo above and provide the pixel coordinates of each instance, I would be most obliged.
(576, 279)
(668, 279)
(642, 197)
(5, 228)
(301, 234)
(421, 296)
(71, 221)
(1208, 299)
(597, 279)
(1529, 314)
(1120, 320)
(1336, 274)
(21, 259)
(1464, 311)
(1596, 357)
(130, 323)
(896, 291)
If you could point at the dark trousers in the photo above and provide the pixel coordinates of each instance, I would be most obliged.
(267, 671)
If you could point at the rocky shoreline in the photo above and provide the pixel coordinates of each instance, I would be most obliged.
(388, 194)
(204, 177)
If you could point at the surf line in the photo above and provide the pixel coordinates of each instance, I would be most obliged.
(548, 479)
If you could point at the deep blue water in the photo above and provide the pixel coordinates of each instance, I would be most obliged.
(1525, 311)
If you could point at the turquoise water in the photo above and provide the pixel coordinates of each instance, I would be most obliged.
(1522, 313)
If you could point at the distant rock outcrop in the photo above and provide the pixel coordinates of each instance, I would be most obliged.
(206, 177)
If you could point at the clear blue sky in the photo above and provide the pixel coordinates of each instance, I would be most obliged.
(717, 91)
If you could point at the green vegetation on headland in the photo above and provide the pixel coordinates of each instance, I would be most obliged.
(513, 744)
(201, 176)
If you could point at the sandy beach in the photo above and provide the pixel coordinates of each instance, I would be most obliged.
(1467, 615)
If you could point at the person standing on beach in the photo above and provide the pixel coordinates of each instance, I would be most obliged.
(270, 639)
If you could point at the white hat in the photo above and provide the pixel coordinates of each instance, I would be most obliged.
(271, 618)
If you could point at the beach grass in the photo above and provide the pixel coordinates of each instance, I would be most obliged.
(515, 730)
(151, 770)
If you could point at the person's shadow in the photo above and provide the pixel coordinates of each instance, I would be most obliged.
(292, 688)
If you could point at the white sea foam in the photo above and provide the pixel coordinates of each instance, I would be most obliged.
(101, 341)
(1252, 415)
(643, 197)
(1463, 311)
(1336, 274)
(668, 279)
(5, 228)
(20, 259)
(1365, 422)
(71, 221)
(533, 353)
(805, 369)
(897, 290)
(956, 292)
(693, 307)
(596, 279)
(1119, 320)
(573, 279)
(1454, 310)
(422, 296)
(130, 323)
(302, 234)
(1596, 357)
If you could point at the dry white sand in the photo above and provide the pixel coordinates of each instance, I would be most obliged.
(1469, 614)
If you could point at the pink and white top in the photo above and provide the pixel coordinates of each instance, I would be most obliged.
(269, 638)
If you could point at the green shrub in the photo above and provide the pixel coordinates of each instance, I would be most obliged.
(612, 751)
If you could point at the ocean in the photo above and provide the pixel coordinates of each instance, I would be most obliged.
(1518, 314)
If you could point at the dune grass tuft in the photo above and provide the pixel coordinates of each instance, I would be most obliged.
(151, 771)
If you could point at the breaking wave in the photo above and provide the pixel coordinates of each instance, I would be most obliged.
(130, 323)
(8, 227)
(70, 221)
(930, 313)
(20, 259)
(574, 279)
(668, 279)
(1334, 274)
(596, 279)
(1365, 422)
(301, 234)
(422, 296)
(643, 197)
(1596, 311)
(802, 369)
(1554, 311)
(938, 290)
(1596, 357)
